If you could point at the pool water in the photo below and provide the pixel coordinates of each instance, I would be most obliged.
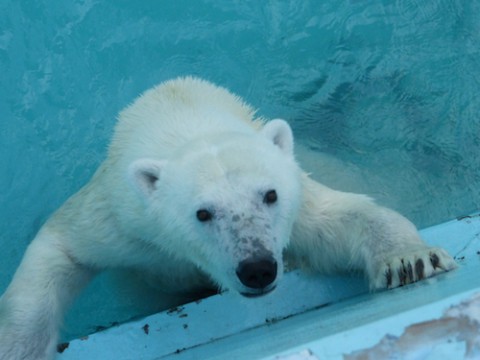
(382, 97)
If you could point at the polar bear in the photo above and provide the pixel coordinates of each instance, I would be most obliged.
(200, 195)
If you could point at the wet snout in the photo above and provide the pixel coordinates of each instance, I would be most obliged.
(258, 275)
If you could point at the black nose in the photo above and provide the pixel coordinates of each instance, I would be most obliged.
(257, 273)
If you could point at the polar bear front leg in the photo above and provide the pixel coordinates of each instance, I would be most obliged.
(32, 308)
(341, 232)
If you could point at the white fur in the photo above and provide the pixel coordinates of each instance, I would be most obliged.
(183, 146)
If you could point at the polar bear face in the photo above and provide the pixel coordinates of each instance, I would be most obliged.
(227, 204)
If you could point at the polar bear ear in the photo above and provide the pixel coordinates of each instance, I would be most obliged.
(280, 133)
(144, 174)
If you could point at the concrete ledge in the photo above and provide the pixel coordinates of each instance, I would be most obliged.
(305, 316)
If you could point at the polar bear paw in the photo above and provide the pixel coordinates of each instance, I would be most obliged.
(411, 266)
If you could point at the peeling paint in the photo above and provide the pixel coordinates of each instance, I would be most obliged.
(459, 325)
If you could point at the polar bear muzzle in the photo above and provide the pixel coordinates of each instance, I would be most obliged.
(258, 274)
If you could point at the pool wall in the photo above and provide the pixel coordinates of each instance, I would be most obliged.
(323, 317)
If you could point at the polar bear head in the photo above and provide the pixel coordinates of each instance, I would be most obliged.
(227, 203)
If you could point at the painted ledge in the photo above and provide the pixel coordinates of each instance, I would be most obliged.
(309, 317)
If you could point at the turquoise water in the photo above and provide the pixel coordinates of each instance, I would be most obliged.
(382, 97)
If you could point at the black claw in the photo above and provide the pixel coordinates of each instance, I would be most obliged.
(434, 260)
(402, 274)
(419, 269)
(388, 275)
(410, 272)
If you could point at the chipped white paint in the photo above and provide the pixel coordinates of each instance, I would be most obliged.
(302, 355)
(457, 329)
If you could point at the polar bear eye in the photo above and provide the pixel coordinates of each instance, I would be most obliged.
(270, 197)
(204, 215)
